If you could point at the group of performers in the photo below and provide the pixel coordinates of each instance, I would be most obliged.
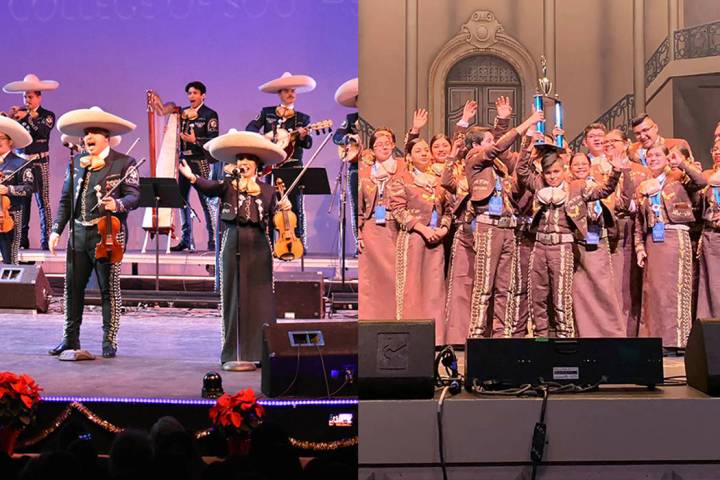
(499, 232)
(102, 188)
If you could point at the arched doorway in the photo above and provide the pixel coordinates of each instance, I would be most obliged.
(482, 78)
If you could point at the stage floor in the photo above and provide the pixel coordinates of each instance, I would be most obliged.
(161, 353)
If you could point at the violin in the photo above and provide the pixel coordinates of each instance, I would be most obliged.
(287, 247)
(6, 221)
(109, 228)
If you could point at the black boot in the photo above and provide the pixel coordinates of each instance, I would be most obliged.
(64, 345)
(183, 245)
(108, 351)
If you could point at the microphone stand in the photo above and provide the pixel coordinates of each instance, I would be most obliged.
(341, 184)
(237, 365)
(71, 233)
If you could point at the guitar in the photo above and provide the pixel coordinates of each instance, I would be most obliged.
(286, 139)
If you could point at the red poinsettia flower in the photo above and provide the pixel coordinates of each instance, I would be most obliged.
(19, 395)
(237, 413)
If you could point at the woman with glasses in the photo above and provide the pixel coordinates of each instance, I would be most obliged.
(627, 274)
(377, 227)
(596, 300)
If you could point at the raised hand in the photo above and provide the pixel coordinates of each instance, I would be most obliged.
(503, 107)
(420, 119)
(469, 110)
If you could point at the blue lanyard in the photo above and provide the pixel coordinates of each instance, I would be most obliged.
(641, 152)
(597, 208)
(655, 199)
(716, 193)
(498, 185)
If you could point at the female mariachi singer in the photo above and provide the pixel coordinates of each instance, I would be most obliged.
(246, 299)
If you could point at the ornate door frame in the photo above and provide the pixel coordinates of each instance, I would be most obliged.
(482, 34)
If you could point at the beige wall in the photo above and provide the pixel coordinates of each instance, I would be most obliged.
(656, 24)
(593, 42)
(697, 12)
(661, 109)
(593, 54)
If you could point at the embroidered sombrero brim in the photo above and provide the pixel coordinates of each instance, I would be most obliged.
(301, 83)
(227, 147)
(31, 83)
(346, 95)
(17, 133)
(75, 122)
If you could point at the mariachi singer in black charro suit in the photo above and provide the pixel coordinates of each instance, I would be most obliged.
(39, 122)
(199, 125)
(246, 209)
(104, 168)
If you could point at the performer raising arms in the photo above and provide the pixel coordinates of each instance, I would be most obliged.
(246, 272)
(284, 116)
(16, 183)
(39, 122)
(199, 125)
(560, 219)
(95, 173)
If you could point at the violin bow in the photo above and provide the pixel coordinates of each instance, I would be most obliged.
(300, 175)
(112, 190)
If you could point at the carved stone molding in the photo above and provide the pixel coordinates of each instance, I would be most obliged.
(482, 34)
(482, 29)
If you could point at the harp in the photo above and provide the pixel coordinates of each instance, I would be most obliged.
(163, 129)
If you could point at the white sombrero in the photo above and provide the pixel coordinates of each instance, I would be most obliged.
(227, 147)
(31, 83)
(17, 133)
(78, 141)
(75, 122)
(301, 83)
(346, 95)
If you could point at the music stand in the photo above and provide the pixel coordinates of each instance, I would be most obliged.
(313, 182)
(155, 193)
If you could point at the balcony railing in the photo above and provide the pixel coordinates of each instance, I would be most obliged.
(694, 42)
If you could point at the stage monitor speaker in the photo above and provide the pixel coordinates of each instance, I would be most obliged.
(24, 287)
(702, 356)
(310, 359)
(510, 362)
(299, 295)
(396, 359)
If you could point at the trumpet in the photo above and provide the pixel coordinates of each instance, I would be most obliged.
(14, 112)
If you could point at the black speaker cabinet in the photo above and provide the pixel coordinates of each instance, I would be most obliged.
(702, 356)
(299, 295)
(396, 359)
(310, 359)
(24, 287)
(510, 362)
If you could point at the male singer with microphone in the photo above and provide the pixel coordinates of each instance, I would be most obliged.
(105, 168)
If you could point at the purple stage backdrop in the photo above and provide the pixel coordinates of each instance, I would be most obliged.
(108, 52)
